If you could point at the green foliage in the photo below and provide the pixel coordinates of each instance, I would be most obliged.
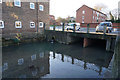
(65, 20)
(114, 21)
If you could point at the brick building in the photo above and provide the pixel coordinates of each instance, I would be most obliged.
(24, 17)
(52, 19)
(86, 14)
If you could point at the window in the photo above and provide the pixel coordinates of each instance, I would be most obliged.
(1, 24)
(93, 17)
(20, 61)
(0, 1)
(10, 4)
(41, 7)
(17, 3)
(83, 12)
(41, 55)
(82, 21)
(18, 24)
(32, 24)
(83, 17)
(5, 66)
(32, 5)
(41, 24)
(97, 14)
(33, 57)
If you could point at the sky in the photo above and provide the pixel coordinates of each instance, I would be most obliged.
(64, 8)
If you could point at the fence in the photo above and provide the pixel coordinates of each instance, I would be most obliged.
(88, 28)
(93, 25)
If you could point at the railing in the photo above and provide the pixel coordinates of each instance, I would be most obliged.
(88, 29)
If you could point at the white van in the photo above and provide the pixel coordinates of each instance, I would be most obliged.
(70, 26)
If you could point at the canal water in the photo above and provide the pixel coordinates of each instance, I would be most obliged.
(54, 60)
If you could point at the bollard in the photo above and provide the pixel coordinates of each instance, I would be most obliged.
(63, 26)
(88, 28)
(44, 28)
(54, 26)
(74, 27)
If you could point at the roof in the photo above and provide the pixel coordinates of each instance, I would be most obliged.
(91, 8)
(51, 15)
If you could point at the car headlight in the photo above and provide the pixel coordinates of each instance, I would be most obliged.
(97, 28)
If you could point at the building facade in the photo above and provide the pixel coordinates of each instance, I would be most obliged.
(24, 17)
(52, 19)
(86, 14)
(119, 9)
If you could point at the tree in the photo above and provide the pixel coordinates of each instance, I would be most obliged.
(59, 19)
(114, 12)
(111, 16)
(65, 20)
(70, 19)
(100, 7)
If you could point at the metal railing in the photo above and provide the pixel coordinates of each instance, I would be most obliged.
(87, 29)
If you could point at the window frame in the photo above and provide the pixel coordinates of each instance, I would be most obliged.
(19, 26)
(83, 12)
(20, 61)
(83, 21)
(2, 24)
(31, 3)
(42, 8)
(93, 17)
(17, 4)
(32, 26)
(0, 1)
(83, 17)
(42, 24)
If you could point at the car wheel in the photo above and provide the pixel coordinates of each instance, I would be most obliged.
(110, 31)
(107, 31)
(77, 30)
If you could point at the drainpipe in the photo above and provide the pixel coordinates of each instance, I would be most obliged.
(37, 14)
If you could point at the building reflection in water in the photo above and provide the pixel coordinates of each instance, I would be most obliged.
(29, 66)
(36, 63)
(96, 66)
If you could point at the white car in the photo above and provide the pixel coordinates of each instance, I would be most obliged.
(101, 27)
(70, 26)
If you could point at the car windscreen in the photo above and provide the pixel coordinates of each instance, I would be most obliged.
(70, 24)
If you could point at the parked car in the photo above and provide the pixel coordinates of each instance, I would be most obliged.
(70, 26)
(101, 27)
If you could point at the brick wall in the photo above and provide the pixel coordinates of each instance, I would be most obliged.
(90, 16)
(25, 15)
(92, 25)
(87, 15)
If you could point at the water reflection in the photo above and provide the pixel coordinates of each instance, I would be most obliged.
(47, 60)
(20, 61)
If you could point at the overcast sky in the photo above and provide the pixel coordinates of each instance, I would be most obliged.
(64, 8)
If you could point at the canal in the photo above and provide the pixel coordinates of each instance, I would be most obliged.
(54, 60)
